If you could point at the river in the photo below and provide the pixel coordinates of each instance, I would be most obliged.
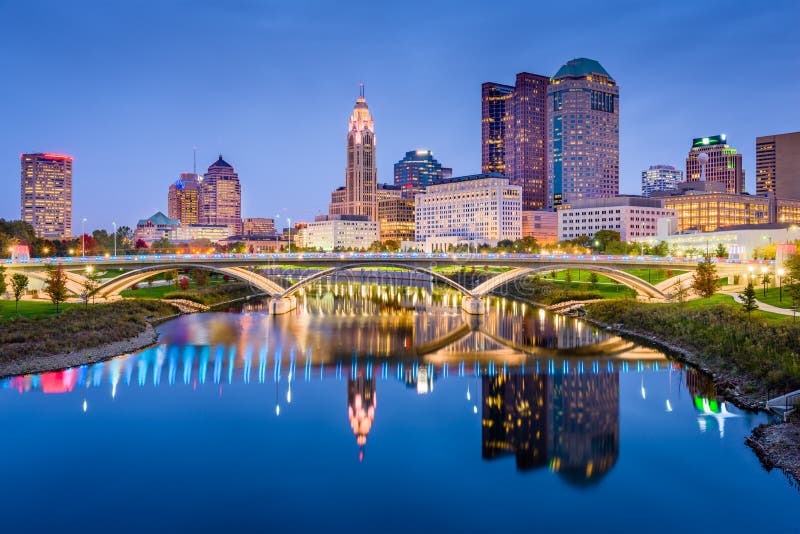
(377, 408)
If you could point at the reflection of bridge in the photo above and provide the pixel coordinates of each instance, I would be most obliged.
(239, 266)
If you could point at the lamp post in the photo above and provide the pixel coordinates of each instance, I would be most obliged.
(83, 237)
(115, 238)
(289, 223)
(780, 273)
(764, 278)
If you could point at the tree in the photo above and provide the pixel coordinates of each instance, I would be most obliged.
(748, 298)
(56, 285)
(792, 277)
(593, 279)
(721, 251)
(19, 283)
(170, 277)
(704, 280)
(140, 243)
(90, 285)
(183, 283)
(162, 244)
(568, 276)
(201, 277)
(505, 245)
(766, 278)
(604, 237)
(3, 286)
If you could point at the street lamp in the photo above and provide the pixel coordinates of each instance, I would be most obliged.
(83, 237)
(764, 279)
(115, 239)
(780, 273)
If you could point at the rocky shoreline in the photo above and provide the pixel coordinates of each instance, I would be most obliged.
(777, 445)
(57, 362)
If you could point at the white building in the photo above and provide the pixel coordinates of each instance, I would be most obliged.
(193, 232)
(635, 218)
(659, 178)
(332, 232)
(477, 209)
(740, 242)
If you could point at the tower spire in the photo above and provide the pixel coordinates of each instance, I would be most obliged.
(361, 90)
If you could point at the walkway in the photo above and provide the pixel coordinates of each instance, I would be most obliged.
(763, 306)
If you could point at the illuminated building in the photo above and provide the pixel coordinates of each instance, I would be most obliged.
(155, 227)
(46, 194)
(361, 403)
(582, 133)
(416, 171)
(388, 192)
(633, 217)
(778, 165)
(340, 232)
(183, 199)
(193, 232)
(514, 135)
(258, 226)
(361, 177)
(541, 225)
(221, 197)
(482, 208)
(660, 178)
(724, 164)
(396, 218)
(741, 242)
(706, 206)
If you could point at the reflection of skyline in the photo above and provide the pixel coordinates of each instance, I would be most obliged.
(361, 404)
(567, 421)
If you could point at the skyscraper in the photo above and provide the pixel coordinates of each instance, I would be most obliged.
(416, 171)
(778, 165)
(183, 199)
(724, 164)
(583, 133)
(514, 135)
(221, 197)
(46, 194)
(660, 178)
(361, 175)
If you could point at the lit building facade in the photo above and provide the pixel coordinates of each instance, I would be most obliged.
(660, 178)
(583, 133)
(193, 232)
(397, 219)
(724, 163)
(542, 225)
(258, 226)
(778, 165)
(221, 197)
(707, 206)
(388, 192)
(340, 232)
(514, 135)
(156, 227)
(183, 199)
(416, 171)
(361, 175)
(635, 218)
(481, 208)
(46, 194)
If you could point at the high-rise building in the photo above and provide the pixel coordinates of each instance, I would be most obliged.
(258, 226)
(396, 216)
(582, 133)
(778, 165)
(721, 163)
(361, 175)
(183, 201)
(221, 197)
(416, 171)
(514, 135)
(46, 194)
(660, 178)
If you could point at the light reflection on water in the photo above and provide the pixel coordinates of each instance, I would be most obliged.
(546, 394)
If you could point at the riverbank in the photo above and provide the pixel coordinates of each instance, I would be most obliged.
(745, 357)
(79, 336)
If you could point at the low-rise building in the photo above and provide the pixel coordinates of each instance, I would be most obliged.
(740, 242)
(258, 226)
(339, 232)
(193, 232)
(155, 227)
(481, 208)
(396, 216)
(542, 225)
(634, 217)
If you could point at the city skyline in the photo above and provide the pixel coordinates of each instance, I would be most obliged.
(161, 122)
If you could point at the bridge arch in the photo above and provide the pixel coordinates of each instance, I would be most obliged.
(642, 287)
(122, 282)
(351, 266)
(74, 282)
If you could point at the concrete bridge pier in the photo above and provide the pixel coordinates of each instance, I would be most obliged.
(281, 305)
(473, 305)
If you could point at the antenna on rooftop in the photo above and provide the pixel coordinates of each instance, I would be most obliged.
(194, 160)
(361, 90)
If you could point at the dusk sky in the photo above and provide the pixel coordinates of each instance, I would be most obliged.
(128, 88)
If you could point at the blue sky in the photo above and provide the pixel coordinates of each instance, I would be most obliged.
(128, 88)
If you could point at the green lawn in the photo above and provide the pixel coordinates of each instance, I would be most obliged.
(654, 276)
(773, 297)
(719, 298)
(31, 308)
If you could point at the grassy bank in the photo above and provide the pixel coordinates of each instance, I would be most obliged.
(31, 309)
(759, 355)
(208, 295)
(77, 328)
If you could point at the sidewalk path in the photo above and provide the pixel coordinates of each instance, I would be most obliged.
(763, 306)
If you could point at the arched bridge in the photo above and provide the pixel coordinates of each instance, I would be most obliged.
(240, 266)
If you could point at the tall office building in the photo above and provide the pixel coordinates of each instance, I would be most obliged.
(46, 194)
(660, 178)
(778, 165)
(361, 175)
(416, 171)
(514, 135)
(723, 163)
(183, 201)
(221, 197)
(583, 133)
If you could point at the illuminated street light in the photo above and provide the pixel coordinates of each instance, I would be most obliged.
(780, 273)
(83, 237)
